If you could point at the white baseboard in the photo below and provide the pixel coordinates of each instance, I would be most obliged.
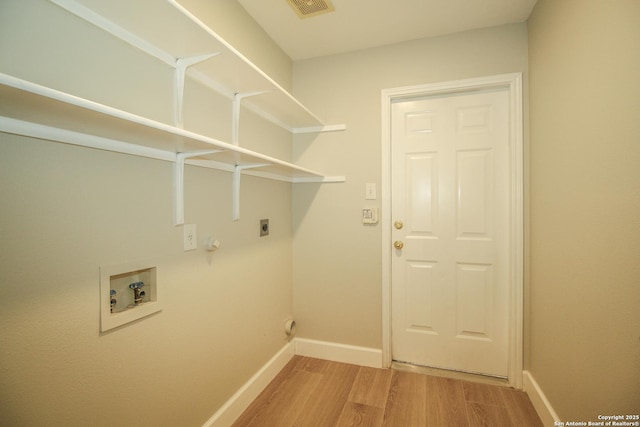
(542, 406)
(363, 356)
(235, 406)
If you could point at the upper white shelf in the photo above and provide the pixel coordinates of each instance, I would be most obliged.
(168, 31)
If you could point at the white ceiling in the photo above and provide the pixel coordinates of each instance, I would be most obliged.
(360, 24)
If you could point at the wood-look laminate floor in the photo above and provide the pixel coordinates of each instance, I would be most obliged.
(314, 392)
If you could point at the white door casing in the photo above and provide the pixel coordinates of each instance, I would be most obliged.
(450, 233)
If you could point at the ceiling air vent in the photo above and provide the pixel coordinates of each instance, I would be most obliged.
(308, 8)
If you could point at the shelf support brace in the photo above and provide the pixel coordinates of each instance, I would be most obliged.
(179, 182)
(181, 69)
(320, 129)
(235, 116)
(237, 173)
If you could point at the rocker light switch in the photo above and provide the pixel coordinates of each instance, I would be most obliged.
(370, 191)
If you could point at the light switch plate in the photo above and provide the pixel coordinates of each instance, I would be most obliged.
(190, 239)
(370, 191)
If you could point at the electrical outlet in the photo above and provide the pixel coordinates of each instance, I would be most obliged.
(190, 239)
(264, 227)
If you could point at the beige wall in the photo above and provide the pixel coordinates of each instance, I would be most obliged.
(337, 259)
(67, 210)
(585, 205)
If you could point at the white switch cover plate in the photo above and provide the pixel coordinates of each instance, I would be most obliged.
(190, 239)
(370, 191)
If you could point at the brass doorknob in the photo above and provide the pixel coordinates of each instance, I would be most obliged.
(398, 225)
(398, 244)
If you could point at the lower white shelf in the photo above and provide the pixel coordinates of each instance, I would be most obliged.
(36, 111)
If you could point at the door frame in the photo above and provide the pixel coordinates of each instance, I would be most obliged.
(513, 84)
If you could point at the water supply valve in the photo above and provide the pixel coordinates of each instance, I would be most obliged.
(112, 295)
(138, 293)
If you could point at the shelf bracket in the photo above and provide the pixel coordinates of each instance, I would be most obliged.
(181, 69)
(179, 181)
(320, 129)
(235, 116)
(237, 173)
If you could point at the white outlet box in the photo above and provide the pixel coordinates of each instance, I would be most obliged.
(190, 238)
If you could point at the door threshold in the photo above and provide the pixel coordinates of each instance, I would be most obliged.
(446, 373)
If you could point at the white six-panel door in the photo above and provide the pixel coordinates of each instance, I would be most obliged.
(450, 214)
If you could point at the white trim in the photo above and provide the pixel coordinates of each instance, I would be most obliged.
(363, 356)
(236, 405)
(513, 82)
(542, 406)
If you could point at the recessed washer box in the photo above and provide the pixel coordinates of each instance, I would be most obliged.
(116, 284)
